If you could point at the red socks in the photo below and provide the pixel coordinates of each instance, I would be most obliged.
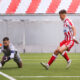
(65, 56)
(52, 59)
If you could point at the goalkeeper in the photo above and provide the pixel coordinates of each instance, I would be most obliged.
(9, 53)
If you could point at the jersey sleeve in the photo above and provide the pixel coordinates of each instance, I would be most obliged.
(12, 48)
(69, 23)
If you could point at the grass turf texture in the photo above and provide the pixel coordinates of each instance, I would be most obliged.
(32, 67)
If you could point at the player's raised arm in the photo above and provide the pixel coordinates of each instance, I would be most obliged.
(74, 34)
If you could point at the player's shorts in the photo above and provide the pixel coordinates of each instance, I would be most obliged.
(69, 44)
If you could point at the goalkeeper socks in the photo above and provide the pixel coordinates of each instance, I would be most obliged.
(65, 56)
(52, 59)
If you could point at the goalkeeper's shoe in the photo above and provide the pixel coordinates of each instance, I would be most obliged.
(46, 66)
(68, 64)
(0, 65)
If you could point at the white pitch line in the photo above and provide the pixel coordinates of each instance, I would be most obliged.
(46, 59)
(7, 76)
(47, 76)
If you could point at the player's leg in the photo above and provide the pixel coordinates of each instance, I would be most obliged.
(52, 59)
(57, 51)
(69, 45)
(62, 50)
(18, 60)
(2, 61)
(54, 56)
(65, 55)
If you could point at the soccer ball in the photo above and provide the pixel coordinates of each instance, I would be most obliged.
(0, 65)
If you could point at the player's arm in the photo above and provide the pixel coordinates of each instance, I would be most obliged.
(74, 34)
(11, 56)
(12, 52)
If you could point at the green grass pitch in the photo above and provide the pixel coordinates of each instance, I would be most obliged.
(32, 70)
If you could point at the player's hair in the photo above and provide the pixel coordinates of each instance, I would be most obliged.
(5, 39)
(63, 11)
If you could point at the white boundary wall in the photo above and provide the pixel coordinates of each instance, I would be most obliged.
(36, 33)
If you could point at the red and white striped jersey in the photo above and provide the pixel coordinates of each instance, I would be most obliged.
(68, 32)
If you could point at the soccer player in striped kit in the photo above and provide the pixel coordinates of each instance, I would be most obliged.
(68, 42)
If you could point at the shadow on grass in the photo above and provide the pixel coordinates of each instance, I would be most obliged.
(9, 68)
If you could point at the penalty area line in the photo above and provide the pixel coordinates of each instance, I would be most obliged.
(7, 76)
(47, 76)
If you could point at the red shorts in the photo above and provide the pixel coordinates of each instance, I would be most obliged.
(69, 44)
